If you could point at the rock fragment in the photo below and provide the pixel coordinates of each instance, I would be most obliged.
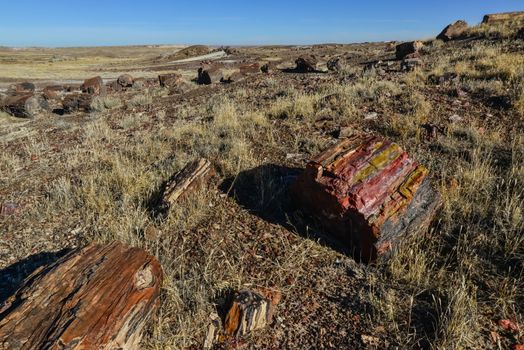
(408, 48)
(453, 31)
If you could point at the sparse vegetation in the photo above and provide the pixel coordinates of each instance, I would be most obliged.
(444, 289)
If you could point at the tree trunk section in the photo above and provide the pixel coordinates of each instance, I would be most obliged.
(97, 297)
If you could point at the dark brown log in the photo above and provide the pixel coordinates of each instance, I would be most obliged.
(125, 80)
(503, 17)
(94, 86)
(306, 64)
(21, 88)
(453, 31)
(334, 64)
(208, 76)
(24, 105)
(249, 311)
(174, 82)
(367, 193)
(97, 297)
(77, 102)
(405, 49)
(193, 176)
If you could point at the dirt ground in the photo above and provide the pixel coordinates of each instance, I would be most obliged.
(83, 177)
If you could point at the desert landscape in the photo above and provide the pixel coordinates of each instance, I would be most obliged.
(330, 196)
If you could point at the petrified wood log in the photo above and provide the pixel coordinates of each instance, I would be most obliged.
(77, 102)
(249, 311)
(453, 31)
(21, 88)
(367, 193)
(125, 80)
(194, 175)
(306, 64)
(24, 105)
(209, 76)
(409, 48)
(503, 17)
(97, 297)
(94, 86)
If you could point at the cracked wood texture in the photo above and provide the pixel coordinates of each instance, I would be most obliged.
(97, 297)
(194, 175)
(367, 193)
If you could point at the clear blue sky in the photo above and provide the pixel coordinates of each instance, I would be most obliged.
(233, 22)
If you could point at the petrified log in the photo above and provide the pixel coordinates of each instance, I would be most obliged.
(97, 297)
(405, 49)
(334, 64)
(503, 17)
(249, 311)
(453, 31)
(209, 76)
(194, 175)
(266, 68)
(306, 64)
(250, 68)
(24, 105)
(367, 193)
(77, 102)
(52, 92)
(21, 88)
(125, 80)
(93, 86)
(174, 82)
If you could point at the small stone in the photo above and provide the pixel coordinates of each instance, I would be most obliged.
(249, 311)
(455, 118)
(371, 116)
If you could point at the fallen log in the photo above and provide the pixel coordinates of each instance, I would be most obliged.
(367, 193)
(94, 86)
(209, 76)
(503, 17)
(97, 297)
(194, 175)
(410, 48)
(25, 105)
(453, 31)
(306, 64)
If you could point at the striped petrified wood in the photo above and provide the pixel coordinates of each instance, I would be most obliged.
(194, 175)
(97, 297)
(249, 311)
(367, 192)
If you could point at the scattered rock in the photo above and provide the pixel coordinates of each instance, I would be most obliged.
(404, 49)
(209, 76)
(94, 86)
(52, 92)
(249, 311)
(448, 77)
(97, 297)
(410, 64)
(21, 88)
(432, 131)
(367, 193)
(235, 77)
(24, 105)
(453, 31)
(266, 68)
(114, 86)
(213, 331)
(194, 175)
(345, 131)
(371, 116)
(125, 80)
(334, 64)
(77, 102)
(8, 209)
(174, 82)
(306, 64)
(455, 118)
(139, 84)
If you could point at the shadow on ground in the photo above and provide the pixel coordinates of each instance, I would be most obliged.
(12, 277)
(264, 192)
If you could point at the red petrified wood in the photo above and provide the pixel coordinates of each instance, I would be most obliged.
(98, 297)
(367, 193)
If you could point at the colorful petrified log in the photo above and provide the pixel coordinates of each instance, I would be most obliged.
(367, 193)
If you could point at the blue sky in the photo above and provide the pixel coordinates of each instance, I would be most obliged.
(234, 22)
